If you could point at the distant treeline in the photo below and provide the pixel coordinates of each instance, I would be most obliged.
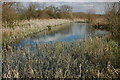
(13, 12)
(34, 10)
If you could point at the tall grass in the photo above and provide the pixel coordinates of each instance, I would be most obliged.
(93, 58)
(25, 28)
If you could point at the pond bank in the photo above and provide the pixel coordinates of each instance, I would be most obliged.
(100, 23)
(69, 32)
(27, 28)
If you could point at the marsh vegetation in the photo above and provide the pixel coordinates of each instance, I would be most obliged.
(63, 60)
(94, 57)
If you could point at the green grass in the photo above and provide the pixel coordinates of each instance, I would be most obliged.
(93, 58)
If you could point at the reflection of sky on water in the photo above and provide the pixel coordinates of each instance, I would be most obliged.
(70, 33)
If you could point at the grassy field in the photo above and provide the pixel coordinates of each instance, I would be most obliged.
(92, 58)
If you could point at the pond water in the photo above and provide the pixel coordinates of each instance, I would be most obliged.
(64, 33)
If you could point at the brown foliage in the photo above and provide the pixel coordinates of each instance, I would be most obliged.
(113, 18)
(9, 16)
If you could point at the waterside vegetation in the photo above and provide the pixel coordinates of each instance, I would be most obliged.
(63, 60)
(91, 58)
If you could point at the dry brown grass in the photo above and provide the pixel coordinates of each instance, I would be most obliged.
(93, 58)
(29, 27)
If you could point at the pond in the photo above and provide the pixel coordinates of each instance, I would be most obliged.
(64, 33)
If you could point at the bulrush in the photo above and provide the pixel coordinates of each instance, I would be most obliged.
(29, 27)
(63, 60)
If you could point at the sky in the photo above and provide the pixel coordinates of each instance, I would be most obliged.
(77, 5)
(62, 0)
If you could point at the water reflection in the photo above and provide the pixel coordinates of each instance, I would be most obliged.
(68, 33)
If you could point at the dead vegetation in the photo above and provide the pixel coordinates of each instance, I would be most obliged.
(63, 60)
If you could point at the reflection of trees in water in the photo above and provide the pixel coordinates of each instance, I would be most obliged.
(91, 30)
(81, 29)
(64, 30)
(67, 32)
(77, 29)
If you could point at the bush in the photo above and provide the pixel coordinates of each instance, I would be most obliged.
(9, 17)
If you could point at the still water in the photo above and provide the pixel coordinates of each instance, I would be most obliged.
(63, 33)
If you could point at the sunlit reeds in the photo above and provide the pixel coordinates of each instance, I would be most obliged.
(93, 58)
(25, 28)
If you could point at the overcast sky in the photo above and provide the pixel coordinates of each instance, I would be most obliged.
(69, 0)
(61, 0)
(77, 5)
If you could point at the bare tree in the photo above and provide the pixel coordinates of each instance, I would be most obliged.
(90, 15)
(112, 10)
(66, 8)
(44, 15)
(9, 15)
(66, 11)
(31, 10)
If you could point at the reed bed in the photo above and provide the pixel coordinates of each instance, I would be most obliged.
(25, 28)
(92, 58)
